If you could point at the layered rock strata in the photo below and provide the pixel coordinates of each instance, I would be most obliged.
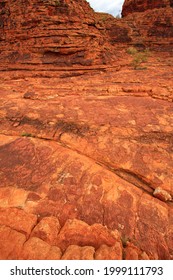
(86, 153)
(151, 23)
(131, 6)
(60, 33)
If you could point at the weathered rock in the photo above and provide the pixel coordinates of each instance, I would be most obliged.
(131, 6)
(151, 23)
(79, 233)
(132, 252)
(105, 252)
(75, 252)
(37, 249)
(18, 220)
(47, 230)
(162, 194)
(49, 32)
(169, 239)
(153, 29)
(85, 146)
(11, 243)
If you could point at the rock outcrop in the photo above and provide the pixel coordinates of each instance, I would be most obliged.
(131, 6)
(151, 23)
(60, 33)
(86, 143)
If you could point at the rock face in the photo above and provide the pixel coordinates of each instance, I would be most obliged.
(151, 23)
(86, 143)
(61, 33)
(131, 6)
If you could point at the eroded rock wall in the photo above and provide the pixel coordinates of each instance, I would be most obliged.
(86, 150)
(50, 32)
(151, 23)
(131, 6)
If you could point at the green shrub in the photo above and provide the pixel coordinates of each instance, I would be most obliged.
(139, 57)
(132, 50)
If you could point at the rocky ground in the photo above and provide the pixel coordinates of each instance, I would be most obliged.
(86, 149)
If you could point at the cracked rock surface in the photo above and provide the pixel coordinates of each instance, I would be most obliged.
(86, 147)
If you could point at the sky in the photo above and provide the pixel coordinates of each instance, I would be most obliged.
(108, 6)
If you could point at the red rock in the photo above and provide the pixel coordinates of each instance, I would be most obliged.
(162, 194)
(169, 239)
(18, 219)
(47, 230)
(131, 6)
(105, 252)
(76, 232)
(50, 33)
(37, 249)
(132, 252)
(150, 23)
(12, 197)
(156, 245)
(85, 138)
(153, 213)
(75, 252)
(11, 243)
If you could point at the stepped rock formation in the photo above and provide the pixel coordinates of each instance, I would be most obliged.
(131, 6)
(60, 32)
(86, 142)
(153, 26)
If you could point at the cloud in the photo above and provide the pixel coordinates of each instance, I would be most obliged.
(109, 6)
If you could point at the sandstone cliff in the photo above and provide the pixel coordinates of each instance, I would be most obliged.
(86, 143)
(62, 33)
(151, 23)
(131, 6)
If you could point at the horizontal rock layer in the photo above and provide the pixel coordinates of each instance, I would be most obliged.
(86, 138)
(69, 33)
(98, 152)
(131, 6)
(152, 29)
(50, 32)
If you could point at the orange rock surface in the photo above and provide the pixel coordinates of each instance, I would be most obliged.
(86, 139)
(131, 6)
